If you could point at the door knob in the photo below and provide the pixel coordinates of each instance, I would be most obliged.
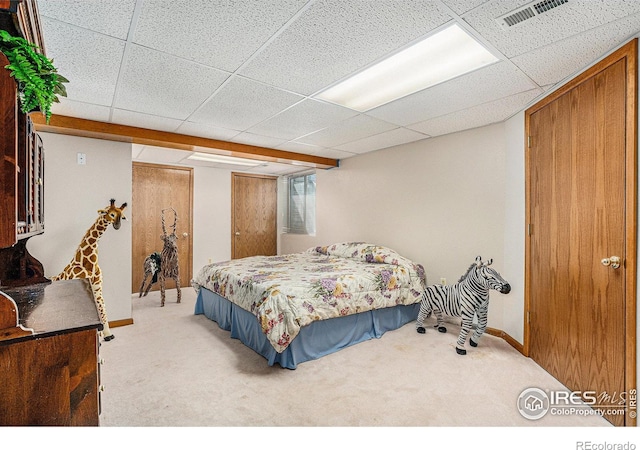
(185, 234)
(237, 233)
(613, 261)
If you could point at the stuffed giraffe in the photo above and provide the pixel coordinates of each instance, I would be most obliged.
(85, 262)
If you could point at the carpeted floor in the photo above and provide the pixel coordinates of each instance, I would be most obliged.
(174, 369)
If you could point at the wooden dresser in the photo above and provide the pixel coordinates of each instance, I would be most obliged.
(49, 360)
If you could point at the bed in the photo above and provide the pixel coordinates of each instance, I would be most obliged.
(302, 306)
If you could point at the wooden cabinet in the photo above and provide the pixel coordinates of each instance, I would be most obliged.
(9, 156)
(49, 361)
(21, 162)
(30, 180)
(22, 204)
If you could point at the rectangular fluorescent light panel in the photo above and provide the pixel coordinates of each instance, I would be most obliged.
(438, 58)
(221, 159)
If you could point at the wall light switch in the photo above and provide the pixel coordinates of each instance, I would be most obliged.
(82, 159)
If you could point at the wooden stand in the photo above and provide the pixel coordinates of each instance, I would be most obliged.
(19, 268)
(10, 327)
(49, 365)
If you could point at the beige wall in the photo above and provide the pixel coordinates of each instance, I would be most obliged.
(73, 195)
(440, 202)
(514, 228)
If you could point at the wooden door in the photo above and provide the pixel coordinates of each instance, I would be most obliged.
(253, 215)
(581, 211)
(158, 187)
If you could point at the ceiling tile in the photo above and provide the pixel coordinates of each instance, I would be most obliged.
(136, 119)
(308, 149)
(277, 169)
(299, 147)
(573, 17)
(136, 149)
(215, 165)
(383, 140)
(218, 33)
(164, 85)
(303, 118)
(89, 60)
(242, 103)
(496, 81)
(81, 110)
(206, 131)
(462, 6)
(352, 129)
(112, 18)
(242, 71)
(260, 141)
(335, 153)
(150, 153)
(491, 112)
(334, 38)
(575, 53)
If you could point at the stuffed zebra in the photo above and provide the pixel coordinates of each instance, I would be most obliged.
(469, 296)
(151, 271)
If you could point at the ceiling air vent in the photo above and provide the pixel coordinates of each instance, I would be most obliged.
(527, 12)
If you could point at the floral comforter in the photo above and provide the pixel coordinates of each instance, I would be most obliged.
(288, 292)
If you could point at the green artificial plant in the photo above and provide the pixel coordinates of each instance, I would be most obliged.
(39, 83)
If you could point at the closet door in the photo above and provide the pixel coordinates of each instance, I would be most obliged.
(158, 187)
(253, 215)
(581, 246)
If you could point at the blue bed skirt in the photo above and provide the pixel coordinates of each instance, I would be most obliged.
(314, 340)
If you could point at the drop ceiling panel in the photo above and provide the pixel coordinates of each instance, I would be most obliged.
(299, 147)
(383, 140)
(350, 130)
(243, 103)
(575, 52)
(246, 71)
(141, 120)
(334, 153)
(136, 149)
(89, 60)
(161, 155)
(573, 17)
(491, 112)
(112, 18)
(260, 141)
(218, 33)
(206, 131)
(214, 165)
(276, 169)
(496, 81)
(462, 6)
(81, 110)
(161, 84)
(303, 118)
(334, 38)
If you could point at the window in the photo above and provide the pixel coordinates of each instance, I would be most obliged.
(301, 204)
